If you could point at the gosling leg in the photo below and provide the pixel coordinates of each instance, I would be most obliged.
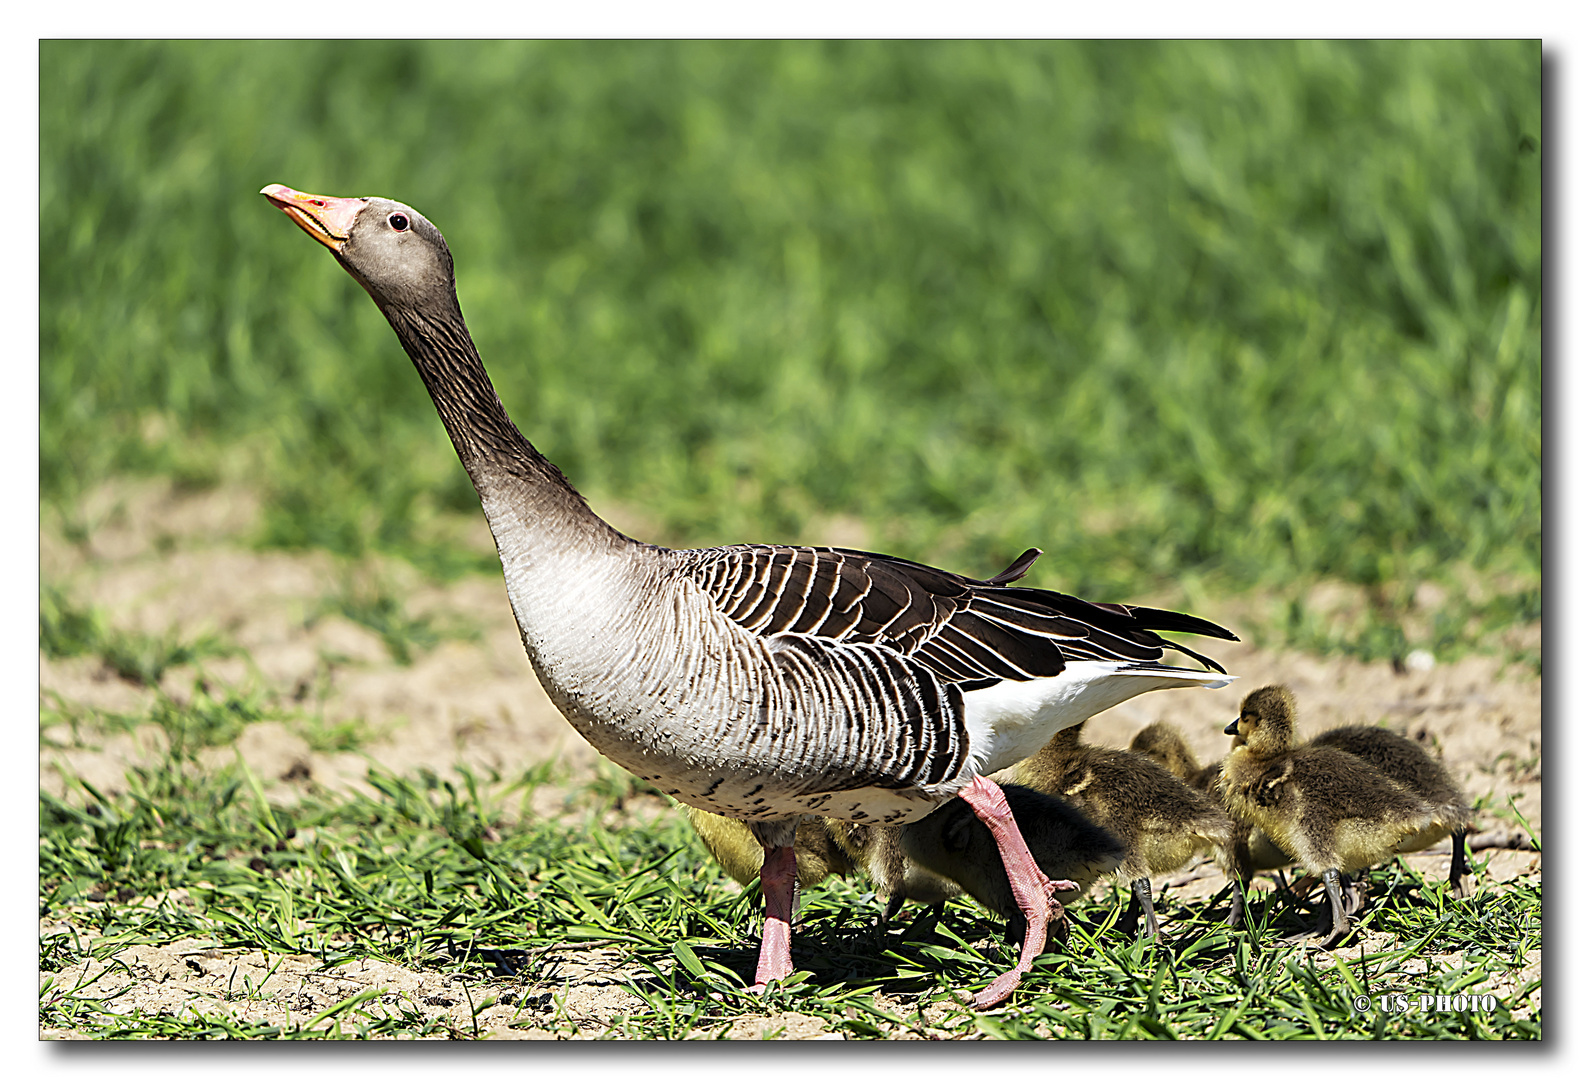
(1338, 920)
(1142, 893)
(1237, 903)
(923, 924)
(1459, 886)
(1239, 872)
(1133, 912)
(1354, 890)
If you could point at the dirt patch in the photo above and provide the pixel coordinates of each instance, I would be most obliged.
(162, 561)
(257, 991)
(471, 700)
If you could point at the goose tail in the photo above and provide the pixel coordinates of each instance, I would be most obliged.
(1171, 677)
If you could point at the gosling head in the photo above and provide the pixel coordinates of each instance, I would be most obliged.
(1163, 742)
(1068, 737)
(1267, 723)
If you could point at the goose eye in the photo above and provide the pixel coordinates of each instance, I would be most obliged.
(399, 223)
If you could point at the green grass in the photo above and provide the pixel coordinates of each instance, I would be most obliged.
(458, 875)
(1379, 631)
(67, 628)
(366, 600)
(208, 716)
(1233, 315)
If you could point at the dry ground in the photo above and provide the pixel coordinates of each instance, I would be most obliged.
(157, 560)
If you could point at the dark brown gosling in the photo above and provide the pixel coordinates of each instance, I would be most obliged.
(1407, 763)
(1160, 821)
(1331, 810)
(1070, 848)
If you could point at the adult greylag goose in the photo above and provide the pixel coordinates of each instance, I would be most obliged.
(759, 682)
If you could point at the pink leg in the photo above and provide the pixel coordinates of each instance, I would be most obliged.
(1033, 892)
(779, 895)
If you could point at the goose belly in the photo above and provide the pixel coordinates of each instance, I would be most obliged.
(762, 800)
(731, 753)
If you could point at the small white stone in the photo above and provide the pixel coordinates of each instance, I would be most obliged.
(1419, 660)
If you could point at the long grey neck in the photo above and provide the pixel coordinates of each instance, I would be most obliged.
(506, 469)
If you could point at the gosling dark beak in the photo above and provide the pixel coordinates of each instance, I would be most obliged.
(325, 218)
(1234, 727)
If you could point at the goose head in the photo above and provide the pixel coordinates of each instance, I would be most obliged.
(391, 250)
(1267, 721)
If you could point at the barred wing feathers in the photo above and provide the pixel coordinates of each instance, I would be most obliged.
(887, 674)
(970, 633)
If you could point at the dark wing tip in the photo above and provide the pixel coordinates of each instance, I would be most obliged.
(1178, 621)
(1206, 661)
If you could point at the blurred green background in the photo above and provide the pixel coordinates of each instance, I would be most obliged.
(1226, 319)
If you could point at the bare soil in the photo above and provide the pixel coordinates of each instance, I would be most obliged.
(159, 560)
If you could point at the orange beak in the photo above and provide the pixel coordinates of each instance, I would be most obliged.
(327, 220)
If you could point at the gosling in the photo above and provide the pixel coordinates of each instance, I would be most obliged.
(1251, 850)
(931, 860)
(1160, 821)
(740, 855)
(1163, 742)
(825, 846)
(1331, 810)
(1406, 763)
(1070, 848)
